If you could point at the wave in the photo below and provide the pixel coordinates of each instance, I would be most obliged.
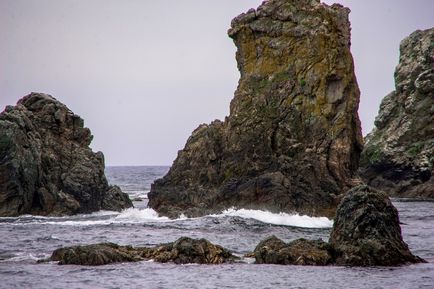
(147, 215)
(128, 216)
(285, 219)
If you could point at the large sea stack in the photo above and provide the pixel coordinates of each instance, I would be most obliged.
(46, 165)
(292, 140)
(399, 153)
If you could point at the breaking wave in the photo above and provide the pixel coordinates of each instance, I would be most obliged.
(147, 215)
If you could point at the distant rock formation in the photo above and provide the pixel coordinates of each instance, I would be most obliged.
(183, 251)
(46, 165)
(292, 140)
(399, 153)
(366, 232)
(272, 250)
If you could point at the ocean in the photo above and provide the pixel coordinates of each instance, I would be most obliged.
(26, 239)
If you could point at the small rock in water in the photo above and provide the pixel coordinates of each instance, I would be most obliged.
(298, 252)
(366, 231)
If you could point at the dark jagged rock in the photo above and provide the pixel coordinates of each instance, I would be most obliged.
(299, 252)
(46, 165)
(94, 255)
(183, 251)
(187, 250)
(366, 231)
(399, 153)
(292, 139)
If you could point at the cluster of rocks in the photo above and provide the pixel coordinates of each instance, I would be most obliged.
(292, 139)
(46, 164)
(183, 251)
(399, 153)
(366, 232)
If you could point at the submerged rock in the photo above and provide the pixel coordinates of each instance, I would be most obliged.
(46, 164)
(292, 139)
(183, 251)
(399, 153)
(366, 231)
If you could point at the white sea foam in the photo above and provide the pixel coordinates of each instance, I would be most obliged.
(147, 215)
(285, 219)
(128, 216)
(22, 256)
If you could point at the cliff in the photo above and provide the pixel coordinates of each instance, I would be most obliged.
(399, 153)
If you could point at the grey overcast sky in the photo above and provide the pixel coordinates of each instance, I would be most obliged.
(144, 74)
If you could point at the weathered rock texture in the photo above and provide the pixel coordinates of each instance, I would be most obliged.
(399, 153)
(292, 139)
(183, 251)
(366, 232)
(299, 252)
(46, 165)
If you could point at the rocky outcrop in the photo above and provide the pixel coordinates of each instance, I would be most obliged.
(366, 232)
(292, 139)
(46, 165)
(183, 251)
(399, 153)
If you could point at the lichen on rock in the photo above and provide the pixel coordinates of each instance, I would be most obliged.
(292, 139)
(46, 164)
(398, 156)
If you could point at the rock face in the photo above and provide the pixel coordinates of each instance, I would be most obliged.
(46, 165)
(399, 153)
(292, 139)
(366, 232)
(183, 251)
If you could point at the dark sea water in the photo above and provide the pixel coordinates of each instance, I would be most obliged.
(25, 239)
